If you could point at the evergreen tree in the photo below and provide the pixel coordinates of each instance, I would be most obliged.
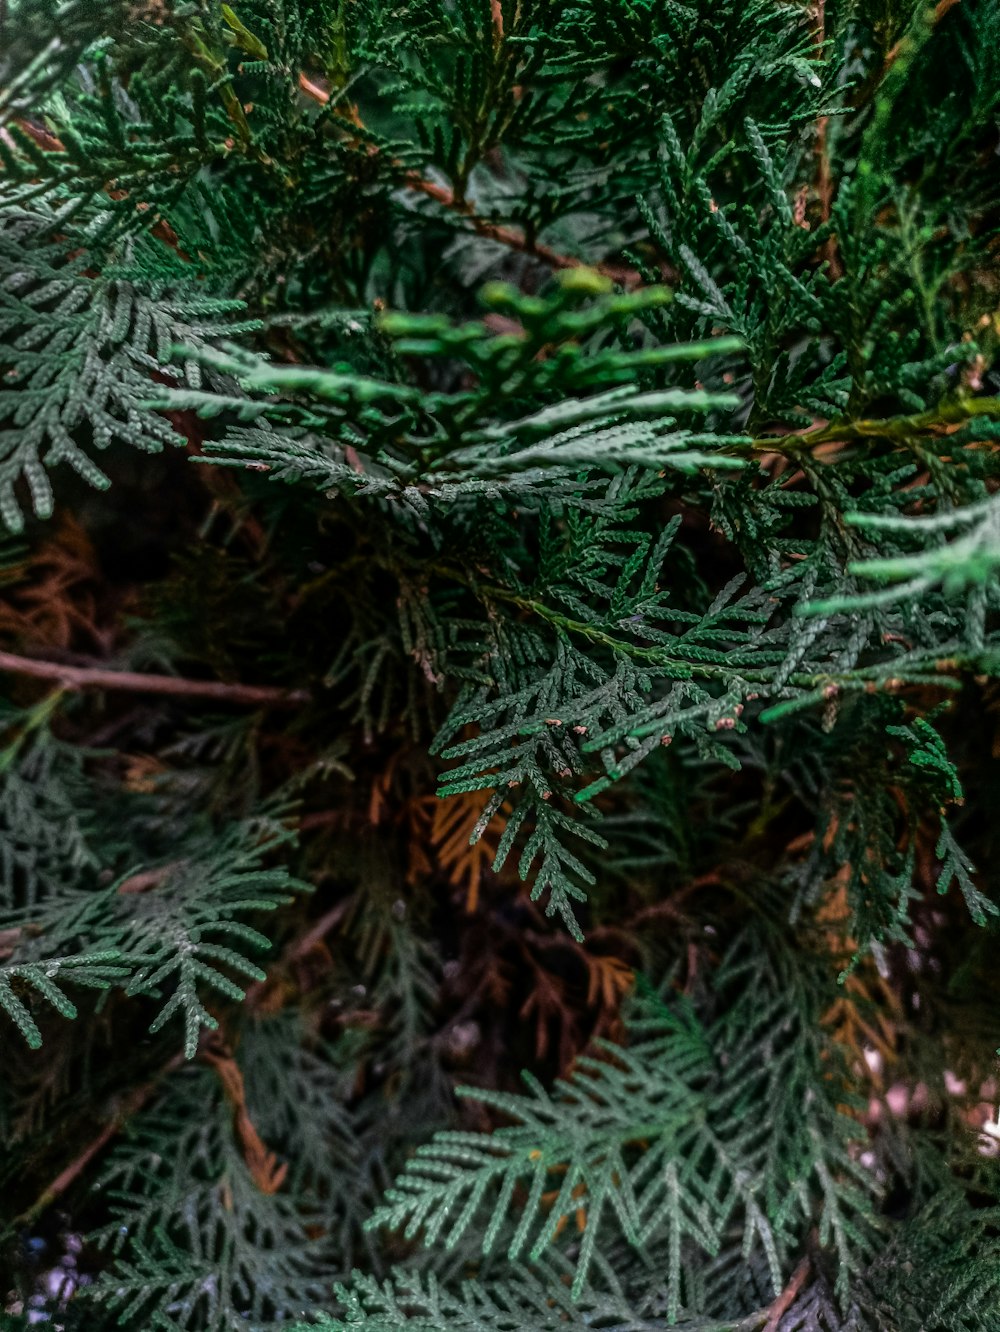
(501, 571)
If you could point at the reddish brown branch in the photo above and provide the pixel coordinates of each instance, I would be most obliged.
(894, 52)
(260, 993)
(304, 946)
(516, 240)
(134, 682)
(787, 1297)
(508, 236)
(824, 180)
(131, 1106)
(66, 1177)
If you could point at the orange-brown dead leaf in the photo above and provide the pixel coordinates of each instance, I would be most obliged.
(265, 1169)
(54, 605)
(609, 979)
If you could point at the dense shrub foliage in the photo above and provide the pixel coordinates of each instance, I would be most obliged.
(501, 571)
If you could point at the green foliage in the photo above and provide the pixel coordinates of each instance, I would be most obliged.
(91, 969)
(205, 1247)
(658, 1139)
(80, 347)
(564, 637)
(170, 930)
(525, 1306)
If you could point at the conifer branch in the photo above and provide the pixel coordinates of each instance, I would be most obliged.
(259, 992)
(692, 587)
(696, 668)
(936, 420)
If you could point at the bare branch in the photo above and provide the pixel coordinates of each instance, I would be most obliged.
(135, 682)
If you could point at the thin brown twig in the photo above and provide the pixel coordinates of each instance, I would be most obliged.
(894, 52)
(66, 1177)
(135, 682)
(296, 951)
(507, 236)
(503, 235)
(516, 240)
(131, 1106)
(787, 1297)
(824, 180)
(320, 930)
